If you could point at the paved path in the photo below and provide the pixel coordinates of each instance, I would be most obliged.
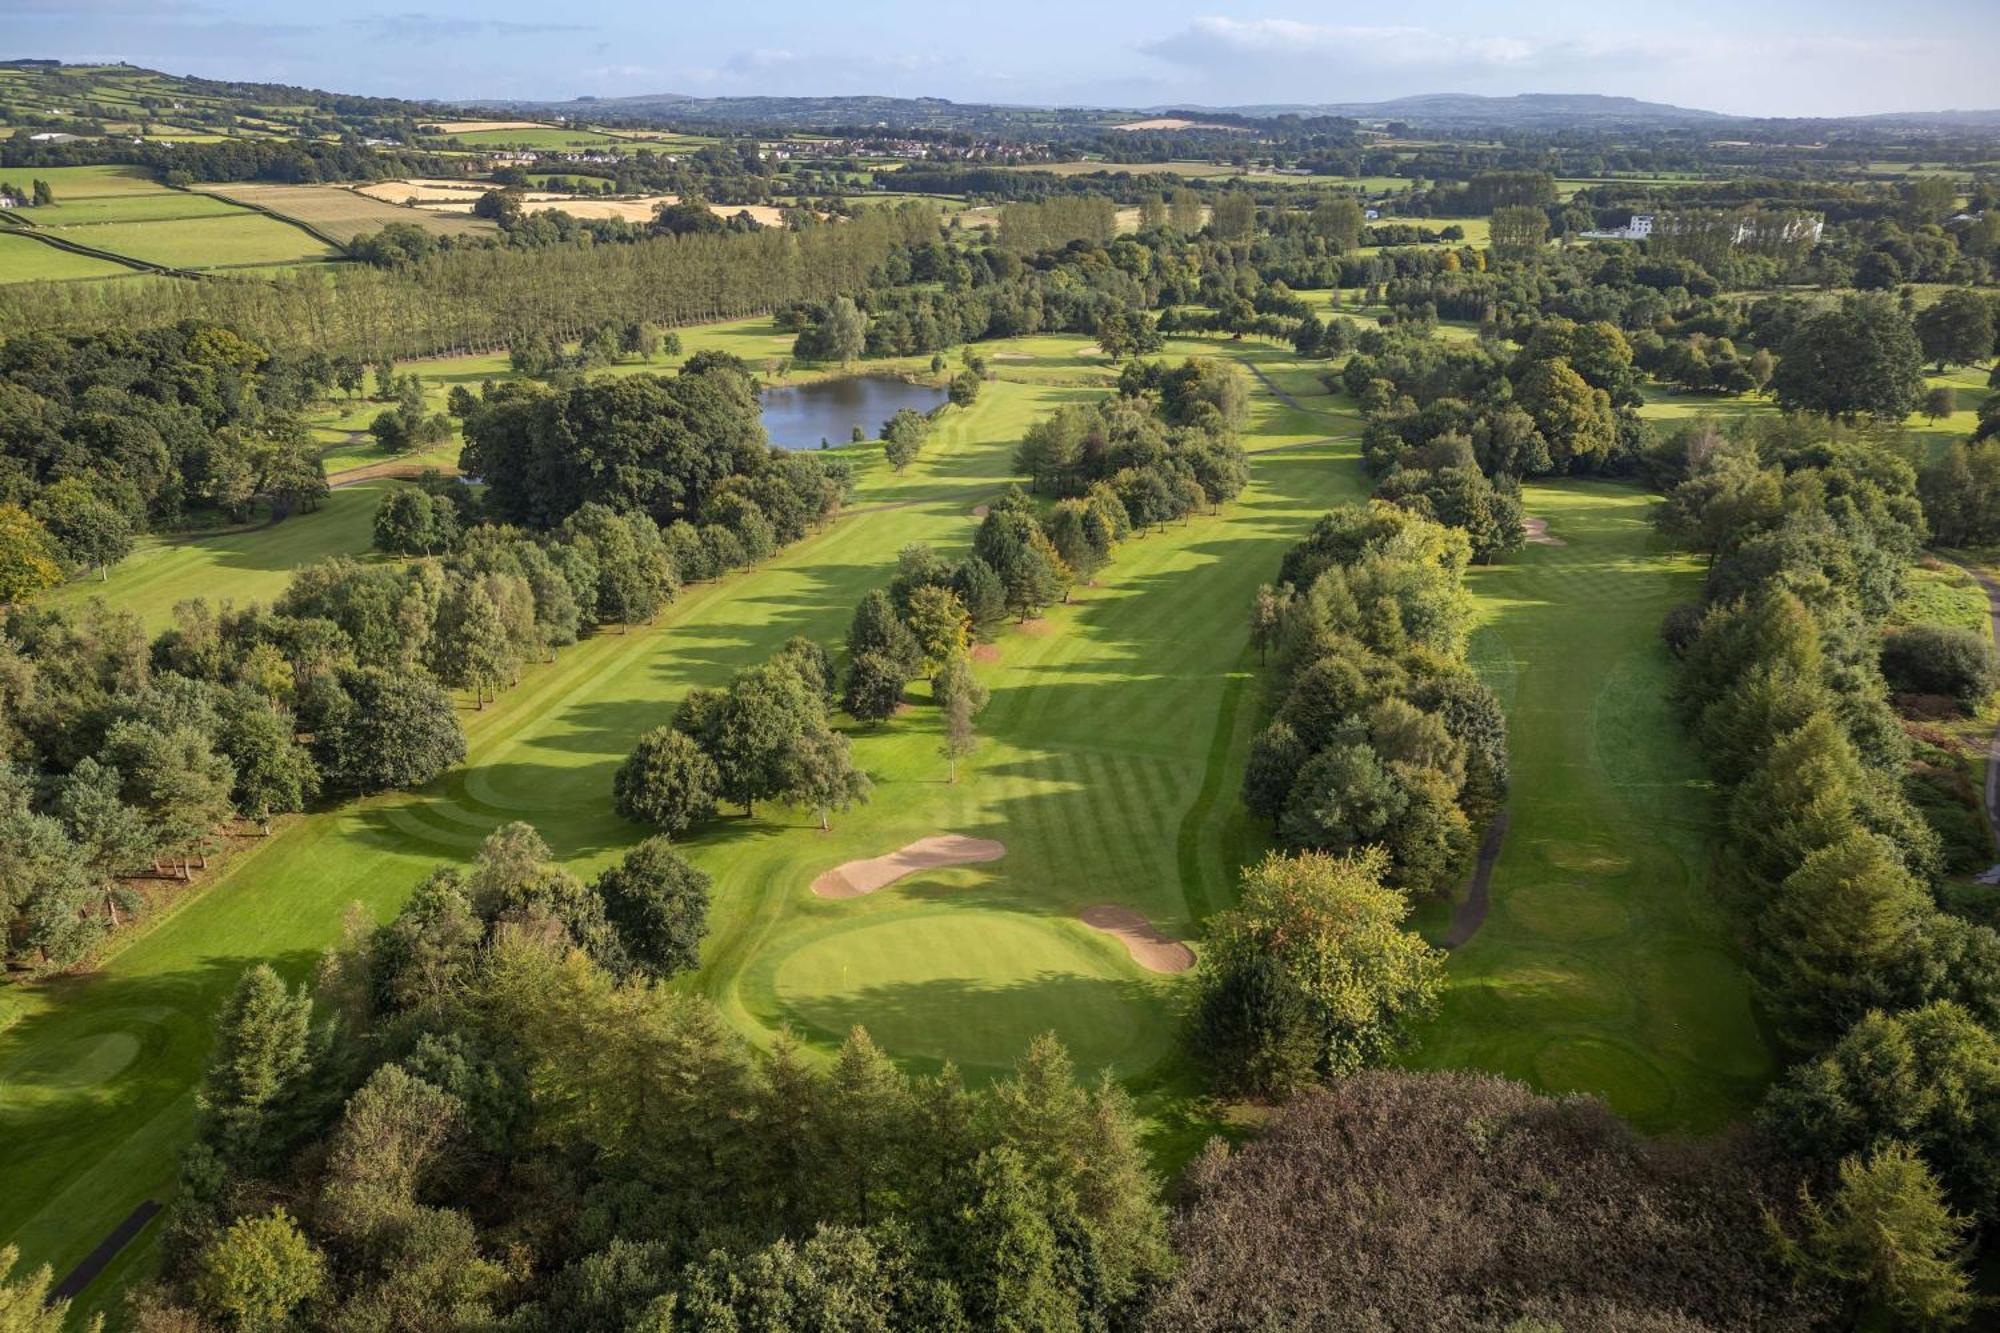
(107, 1249)
(1471, 914)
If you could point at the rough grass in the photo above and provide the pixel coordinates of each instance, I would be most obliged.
(1604, 965)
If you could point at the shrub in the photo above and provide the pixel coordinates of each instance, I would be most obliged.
(1931, 659)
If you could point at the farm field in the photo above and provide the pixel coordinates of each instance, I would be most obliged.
(344, 214)
(1604, 965)
(203, 243)
(86, 182)
(25, 259)
(541, 136)
(133, 206)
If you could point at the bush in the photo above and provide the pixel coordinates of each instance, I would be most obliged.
(1931, 659)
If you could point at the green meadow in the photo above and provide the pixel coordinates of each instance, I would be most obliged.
(1110, 760)
(25, 259)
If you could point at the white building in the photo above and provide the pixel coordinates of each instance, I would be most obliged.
(1638, 229)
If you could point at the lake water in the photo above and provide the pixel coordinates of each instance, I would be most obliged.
(799, 416)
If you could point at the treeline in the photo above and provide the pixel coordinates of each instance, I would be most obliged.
(491, 298)
(1832, 843)
(471, 1120)
(104, 437)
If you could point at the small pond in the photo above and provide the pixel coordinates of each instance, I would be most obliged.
(799, 416)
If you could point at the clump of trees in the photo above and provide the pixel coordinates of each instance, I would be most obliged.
(127, 759)
(1382, 734)
(683, 448)
(765, 736)
(496, 1059)
(1164, 448)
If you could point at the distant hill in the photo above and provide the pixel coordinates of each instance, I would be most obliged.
(1523, 109)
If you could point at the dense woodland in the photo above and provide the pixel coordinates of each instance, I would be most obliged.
(497, 1111)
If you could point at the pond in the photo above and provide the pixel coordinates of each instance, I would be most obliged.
(799, 416)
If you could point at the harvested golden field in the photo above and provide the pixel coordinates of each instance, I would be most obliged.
(422, 191)
(627, 210)
(1176, 123)
(480, 126)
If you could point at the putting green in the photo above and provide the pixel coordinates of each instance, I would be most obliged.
(965, 984)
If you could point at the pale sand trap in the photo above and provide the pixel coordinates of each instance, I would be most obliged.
(478, 126)
(1538, 532)
(857, 878)
(1149, 948)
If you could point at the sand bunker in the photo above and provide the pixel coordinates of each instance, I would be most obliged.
(1149, 948)
(1538, 532)
(857, 878)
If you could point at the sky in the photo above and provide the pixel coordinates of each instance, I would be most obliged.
(1777, 57)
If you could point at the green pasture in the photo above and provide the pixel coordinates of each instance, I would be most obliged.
(1604, 965)
(86, 182)
(25, 259)
(250, 565)
(542, 137)
(243, 238)
(164, 205)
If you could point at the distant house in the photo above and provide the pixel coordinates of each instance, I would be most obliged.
(1372, 214)
(1638, 229)
(53, 136)
(7, 201)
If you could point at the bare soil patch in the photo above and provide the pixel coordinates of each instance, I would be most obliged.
(856, 879)
(1034, 627)
(985, 652)
(1538, 532)
(981, 511)
(1149, 948)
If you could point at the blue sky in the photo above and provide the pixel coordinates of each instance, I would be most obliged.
(1777, 57)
